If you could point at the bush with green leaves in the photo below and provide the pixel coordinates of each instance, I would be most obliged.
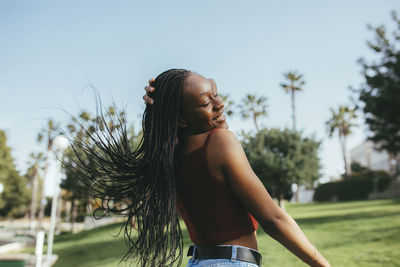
(326, 192)
(282, 157)
(15, 196)
(355, 187)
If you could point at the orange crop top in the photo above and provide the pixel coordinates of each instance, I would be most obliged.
(211, 211)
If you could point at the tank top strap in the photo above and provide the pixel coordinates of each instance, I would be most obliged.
(209, 137)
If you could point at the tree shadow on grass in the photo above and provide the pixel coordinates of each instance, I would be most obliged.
(345, 217)
(112, 229)
(91, 254)
(79, 250)
(364, 230)
(378, 237)
(344, 205)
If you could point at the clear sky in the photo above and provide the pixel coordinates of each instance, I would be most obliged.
(50, 51)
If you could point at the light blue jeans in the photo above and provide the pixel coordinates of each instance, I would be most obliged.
(221, 262)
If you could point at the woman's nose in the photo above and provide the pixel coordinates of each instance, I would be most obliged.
(218, 103)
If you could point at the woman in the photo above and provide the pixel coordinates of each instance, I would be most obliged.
(189, 161)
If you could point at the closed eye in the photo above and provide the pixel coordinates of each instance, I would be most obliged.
(205, 105)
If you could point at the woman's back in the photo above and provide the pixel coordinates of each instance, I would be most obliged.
(212, 212)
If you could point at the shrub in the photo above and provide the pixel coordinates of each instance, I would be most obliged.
(383, 180)
(326, 192)
(357, 186)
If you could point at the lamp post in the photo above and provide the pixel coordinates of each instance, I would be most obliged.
(60, 143)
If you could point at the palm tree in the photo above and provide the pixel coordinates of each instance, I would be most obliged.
(80, 129)
(33, 172)
(342, 122)
(253, 106)
(295, 84)
(46, 135)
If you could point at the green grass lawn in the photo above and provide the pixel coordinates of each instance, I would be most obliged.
(358, 233)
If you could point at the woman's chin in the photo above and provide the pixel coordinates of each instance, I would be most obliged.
(222, 125)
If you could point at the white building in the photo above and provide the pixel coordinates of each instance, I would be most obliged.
(365, 154)
(304, 195)
(368, 156)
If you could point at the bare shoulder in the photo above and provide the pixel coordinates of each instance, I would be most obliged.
(225, 146)
(224, 139)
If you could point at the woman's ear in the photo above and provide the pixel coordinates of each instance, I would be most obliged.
(182, 123)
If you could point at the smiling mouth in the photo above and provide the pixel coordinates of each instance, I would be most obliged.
(219, 116)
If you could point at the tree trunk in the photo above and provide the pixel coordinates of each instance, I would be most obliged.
(42, 196)
(68, 207)
(34, 198)
(347, 168)
(296, 194)
(88, 206)
(282, 203)
(74, 215)
(348, 163)
(368, 156)
(255, 121)
(60, 203)
(392, 163)
(293, 111)
(279, 195)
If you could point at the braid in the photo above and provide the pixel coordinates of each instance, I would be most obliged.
(140, 183)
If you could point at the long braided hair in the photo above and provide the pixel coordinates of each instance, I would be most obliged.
(139, 183)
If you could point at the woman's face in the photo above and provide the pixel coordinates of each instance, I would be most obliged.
(202, 107)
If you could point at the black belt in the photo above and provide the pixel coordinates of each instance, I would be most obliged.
(225, 252)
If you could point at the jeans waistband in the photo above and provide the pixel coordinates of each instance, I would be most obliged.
(230, 252)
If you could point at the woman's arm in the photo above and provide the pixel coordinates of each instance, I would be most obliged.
(248, 188)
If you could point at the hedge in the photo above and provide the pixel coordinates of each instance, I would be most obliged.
(357, 186)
